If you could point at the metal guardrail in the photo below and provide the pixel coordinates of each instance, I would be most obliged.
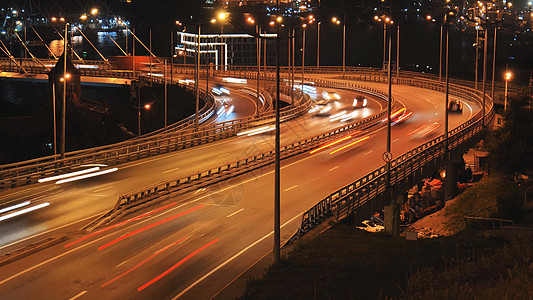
(27, 172)
(229, 170)
(106, 69)
(492, 221)
(366, 188)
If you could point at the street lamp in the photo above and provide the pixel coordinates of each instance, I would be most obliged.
(221, 18)
(386, 20)
(304, 26)
(318, 44)
(430, 19)
(63, 79)
(508, 76)
(251, 21)
(146, 107)
(336, 21)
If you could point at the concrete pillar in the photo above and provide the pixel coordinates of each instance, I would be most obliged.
(452, 168)
(392, 219)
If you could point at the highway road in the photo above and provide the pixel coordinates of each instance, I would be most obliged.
(191, 246)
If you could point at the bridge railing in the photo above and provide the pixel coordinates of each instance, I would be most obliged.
(204, 178)
(365, 189)
(27, 172)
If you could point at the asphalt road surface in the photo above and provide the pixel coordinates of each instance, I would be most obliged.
(191, 246)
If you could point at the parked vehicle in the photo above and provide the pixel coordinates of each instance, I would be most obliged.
(370, 226)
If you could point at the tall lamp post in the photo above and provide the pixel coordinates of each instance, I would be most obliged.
(508, 76)
(304, 26)
(63, 80)
(318, 44)
(336, 21)
(277, 174)
(429, 18)
(251, 21)
(385, 19)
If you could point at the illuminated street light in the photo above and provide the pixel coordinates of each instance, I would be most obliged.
(386, 20)
(304, 26)
(62, 79)
(508, 76)
(336, 21)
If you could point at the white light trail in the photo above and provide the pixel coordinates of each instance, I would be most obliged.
(87, 66)
(221, 110)
(69, 174)
(23, 211)
(19, 205)
(230, 110)
(349, 116)
(337, 116)
(87, 175)
(257, 130)
(234, 80)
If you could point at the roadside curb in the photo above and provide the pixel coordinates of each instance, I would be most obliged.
(237, 288)
(30, 249)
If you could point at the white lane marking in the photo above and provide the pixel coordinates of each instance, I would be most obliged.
(232, 258)
(50, 260)
(471, 110)
(333, 168)
(232, 214)
(171, 170)
(178, 207)
(18, 192)
(147, 161)
(366, 153)
(222, 155)
(292, 187)
(395, 140)
(78, 295)
(103, 189)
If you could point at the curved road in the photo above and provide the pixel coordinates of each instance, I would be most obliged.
(191, 246)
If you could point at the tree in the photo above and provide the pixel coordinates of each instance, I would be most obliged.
(512, 146)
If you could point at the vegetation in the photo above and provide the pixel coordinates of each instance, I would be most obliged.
(491, 198)
(512, 145)
(346, 263)
(507, 274)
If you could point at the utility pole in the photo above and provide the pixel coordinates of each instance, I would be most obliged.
(64, 106)
(277, 175)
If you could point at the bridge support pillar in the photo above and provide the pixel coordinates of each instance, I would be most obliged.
(392, 219)
(452, 167)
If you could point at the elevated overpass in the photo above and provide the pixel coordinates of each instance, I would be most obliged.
(206, 233)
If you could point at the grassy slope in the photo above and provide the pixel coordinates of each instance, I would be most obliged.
(345, 263)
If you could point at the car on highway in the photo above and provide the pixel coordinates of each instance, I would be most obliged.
(330, 95)
(321, 108)
(220, 90)
(359, 101)
(370, 226)
(455, 106)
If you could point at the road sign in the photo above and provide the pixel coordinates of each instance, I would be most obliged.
(387, 156)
